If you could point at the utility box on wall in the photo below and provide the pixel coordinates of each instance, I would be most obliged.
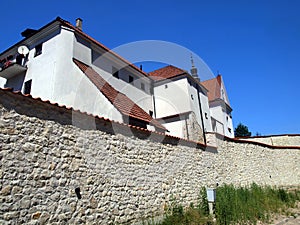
(211, 194)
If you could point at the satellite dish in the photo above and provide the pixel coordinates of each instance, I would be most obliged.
(23, 50)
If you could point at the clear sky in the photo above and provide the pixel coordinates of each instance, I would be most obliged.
(255, 44)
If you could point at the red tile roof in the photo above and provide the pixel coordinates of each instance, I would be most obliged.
(167, 137)
(214, 88)
(166, 73)
(125, 105)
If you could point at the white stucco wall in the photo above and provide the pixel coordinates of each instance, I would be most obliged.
(175, 128)
(228, 125)
(41, 68)
(82, 50)
(220, 114)
(217, 114)
(103, 65)
(172, 98)
(194, 102)
(72, 87)
(206, 113)
(195, 107)
(89, 99)
(2, 82)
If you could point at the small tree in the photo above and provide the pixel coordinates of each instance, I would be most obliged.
(241, 131)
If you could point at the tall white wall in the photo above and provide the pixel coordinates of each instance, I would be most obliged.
(217, 114)
(103, 64)
(72, 87)
(195, 107)
(206, 113)
(41, 68)
(194, 102)
(2, 82)
(172, 98)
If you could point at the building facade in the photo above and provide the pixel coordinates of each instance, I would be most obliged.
(62, 64)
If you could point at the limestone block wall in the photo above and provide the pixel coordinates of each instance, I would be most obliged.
(277, 140)
(60, 167)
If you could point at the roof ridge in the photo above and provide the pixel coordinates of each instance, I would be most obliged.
(170, 65)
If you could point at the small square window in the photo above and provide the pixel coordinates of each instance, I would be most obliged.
(130, 79)
(166, 86)
(192, 97)
(115, 72)
(27, 87)
(38, 49)
(151, 113)
(143, 86)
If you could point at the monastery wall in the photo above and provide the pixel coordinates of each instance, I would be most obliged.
(277, 140)
(64, 167)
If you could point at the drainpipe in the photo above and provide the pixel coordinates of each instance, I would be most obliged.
(187, 129)
(153, 99)
(203, 128)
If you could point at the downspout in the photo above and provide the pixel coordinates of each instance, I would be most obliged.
(203, 128)
(187, 129)
(153, 99)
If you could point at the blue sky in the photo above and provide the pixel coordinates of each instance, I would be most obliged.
(254, 44)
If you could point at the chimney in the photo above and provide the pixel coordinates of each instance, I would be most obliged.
(79, 23)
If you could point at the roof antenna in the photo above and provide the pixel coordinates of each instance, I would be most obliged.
(194, 70)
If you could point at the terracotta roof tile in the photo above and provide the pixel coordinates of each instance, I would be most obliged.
(125, 105)
(166, 72)
(214, 88)
(180, 140)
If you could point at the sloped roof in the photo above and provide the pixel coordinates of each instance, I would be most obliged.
(214, 88)
(124, 104)
(166, 72)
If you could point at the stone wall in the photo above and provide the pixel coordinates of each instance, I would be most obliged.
(277, 140)
(48, 152)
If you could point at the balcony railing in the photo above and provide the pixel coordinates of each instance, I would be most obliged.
(12, 65)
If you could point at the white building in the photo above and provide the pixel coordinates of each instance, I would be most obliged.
(219, 105)
(181, 103)
(62, 64)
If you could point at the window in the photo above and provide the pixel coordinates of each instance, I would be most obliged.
(166, 86)
(192, 97)
(27, 87)
(38, 49)
(130, 79)
(143, 86)
(229, 129)
(115, 72)
(206, 117)
(151, 113)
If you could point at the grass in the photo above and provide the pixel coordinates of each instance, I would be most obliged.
(234, 205)
(248, 205)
